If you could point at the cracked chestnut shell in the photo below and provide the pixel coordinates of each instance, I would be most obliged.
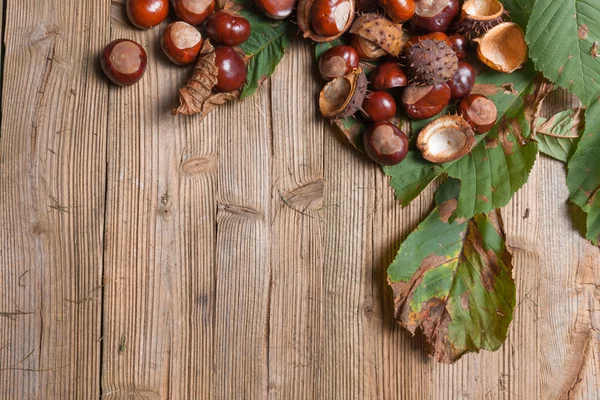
(379, 106)
(366, 49)
(385, 143)
(462, 81)
(194, 12)
(232, 69)
(479, 112)
(434, 15)
(124, 62)
(338, 61)
(422, 102)
(276, 9)
(398, 10)
(388, 75)
(343, 96)
(181, 42)
(147, 13)
(227, 28)
(446, 139)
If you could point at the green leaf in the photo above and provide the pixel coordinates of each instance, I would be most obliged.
(321, 48)
(561, 36)
(519, 10)
(558, 136)
(583, 178)
(453, 281)
(265, 48)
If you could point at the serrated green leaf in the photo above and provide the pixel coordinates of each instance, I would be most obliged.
(561, 36)
(519, 10)
(453, 281)
(558, 136)
(583, 178)
(265, 48)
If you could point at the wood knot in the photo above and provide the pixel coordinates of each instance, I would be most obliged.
(199, 165)
(309, 196)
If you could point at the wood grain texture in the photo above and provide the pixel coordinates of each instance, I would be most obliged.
(241, 257)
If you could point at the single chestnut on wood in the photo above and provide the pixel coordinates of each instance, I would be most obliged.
(194, 12)
(227, 28)
(388, 75)
(463, 81)
(276, 9)
(434, 15)
(338, 61)
(181, 42)
(422, 102)
(124, 62)
(379, 106)
(147, 13)
(398, 10)
(232, 69)
(479, 111)
(330, 17)
(385, 143)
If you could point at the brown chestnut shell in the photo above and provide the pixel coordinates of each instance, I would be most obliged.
(343, 96)
(503, 48)
(446, 139)
(384, 33)
(305, 23)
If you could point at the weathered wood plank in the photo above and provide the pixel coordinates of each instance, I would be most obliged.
(52, 159)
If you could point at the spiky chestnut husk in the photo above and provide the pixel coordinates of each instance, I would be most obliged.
(342, 97)
(472, 29)
(431, 62)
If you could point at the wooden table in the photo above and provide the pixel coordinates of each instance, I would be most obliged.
(241, 257)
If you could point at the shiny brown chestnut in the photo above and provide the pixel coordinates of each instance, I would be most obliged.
(147, 13)
(227, 28)
(232, 69)
(398, 10)
(434, 15)
(365, 5)
(338, 61)
(385, 143)
(194, 12)
(378, 106)
(460, 45)
(276, 9)
(366, 49)
(479, 111)
(181, 42)
(388, 75)
(422, 102)
(329, 17)
(124, 62)
(463, 81)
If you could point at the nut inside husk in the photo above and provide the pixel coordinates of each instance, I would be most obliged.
(345, 11)
(343, 96)
(384, 33)
(503, 47)
(446, 139)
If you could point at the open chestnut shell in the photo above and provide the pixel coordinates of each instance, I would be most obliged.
(478, 16)
(446, 139)
(381, 31)
(325, 20)
(366, 49)
(503, 47)
(343, 96)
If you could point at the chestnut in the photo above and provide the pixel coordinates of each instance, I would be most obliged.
(276, 9)
(365, 5)
(388, 75)
(479, 111)
(232, 69)
(434, 15)
(422, 102)
(398, 10)
(366, 49)
(181, 42)
(194, 12)
(463, 80)
(338, 61)
(329, 17)
(430, 36)
(460, 45)
(147, 13)
(379, 106)
(385, 143)
(124, 62)
(227, 28)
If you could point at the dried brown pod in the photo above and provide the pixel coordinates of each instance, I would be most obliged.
(197, 96)
(431, 61)
(503, 47)
(366, 49)
(334, 16)
(384, 33)
(343, 96)
(446, 139)
(478, 16)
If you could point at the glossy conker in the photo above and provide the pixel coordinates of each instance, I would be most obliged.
(194, 12)
(147, 13)
(434, 15)
(398, 10)
(330, 17)
(276, 9)
(232, 69)
(460, 45)
(463, 81)
(388, 75)
(385, 143)
(479, 111)
(181, 42)
(338, 61)
(124, 62)
(422, 102)
(379, 106)
(227, 28)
